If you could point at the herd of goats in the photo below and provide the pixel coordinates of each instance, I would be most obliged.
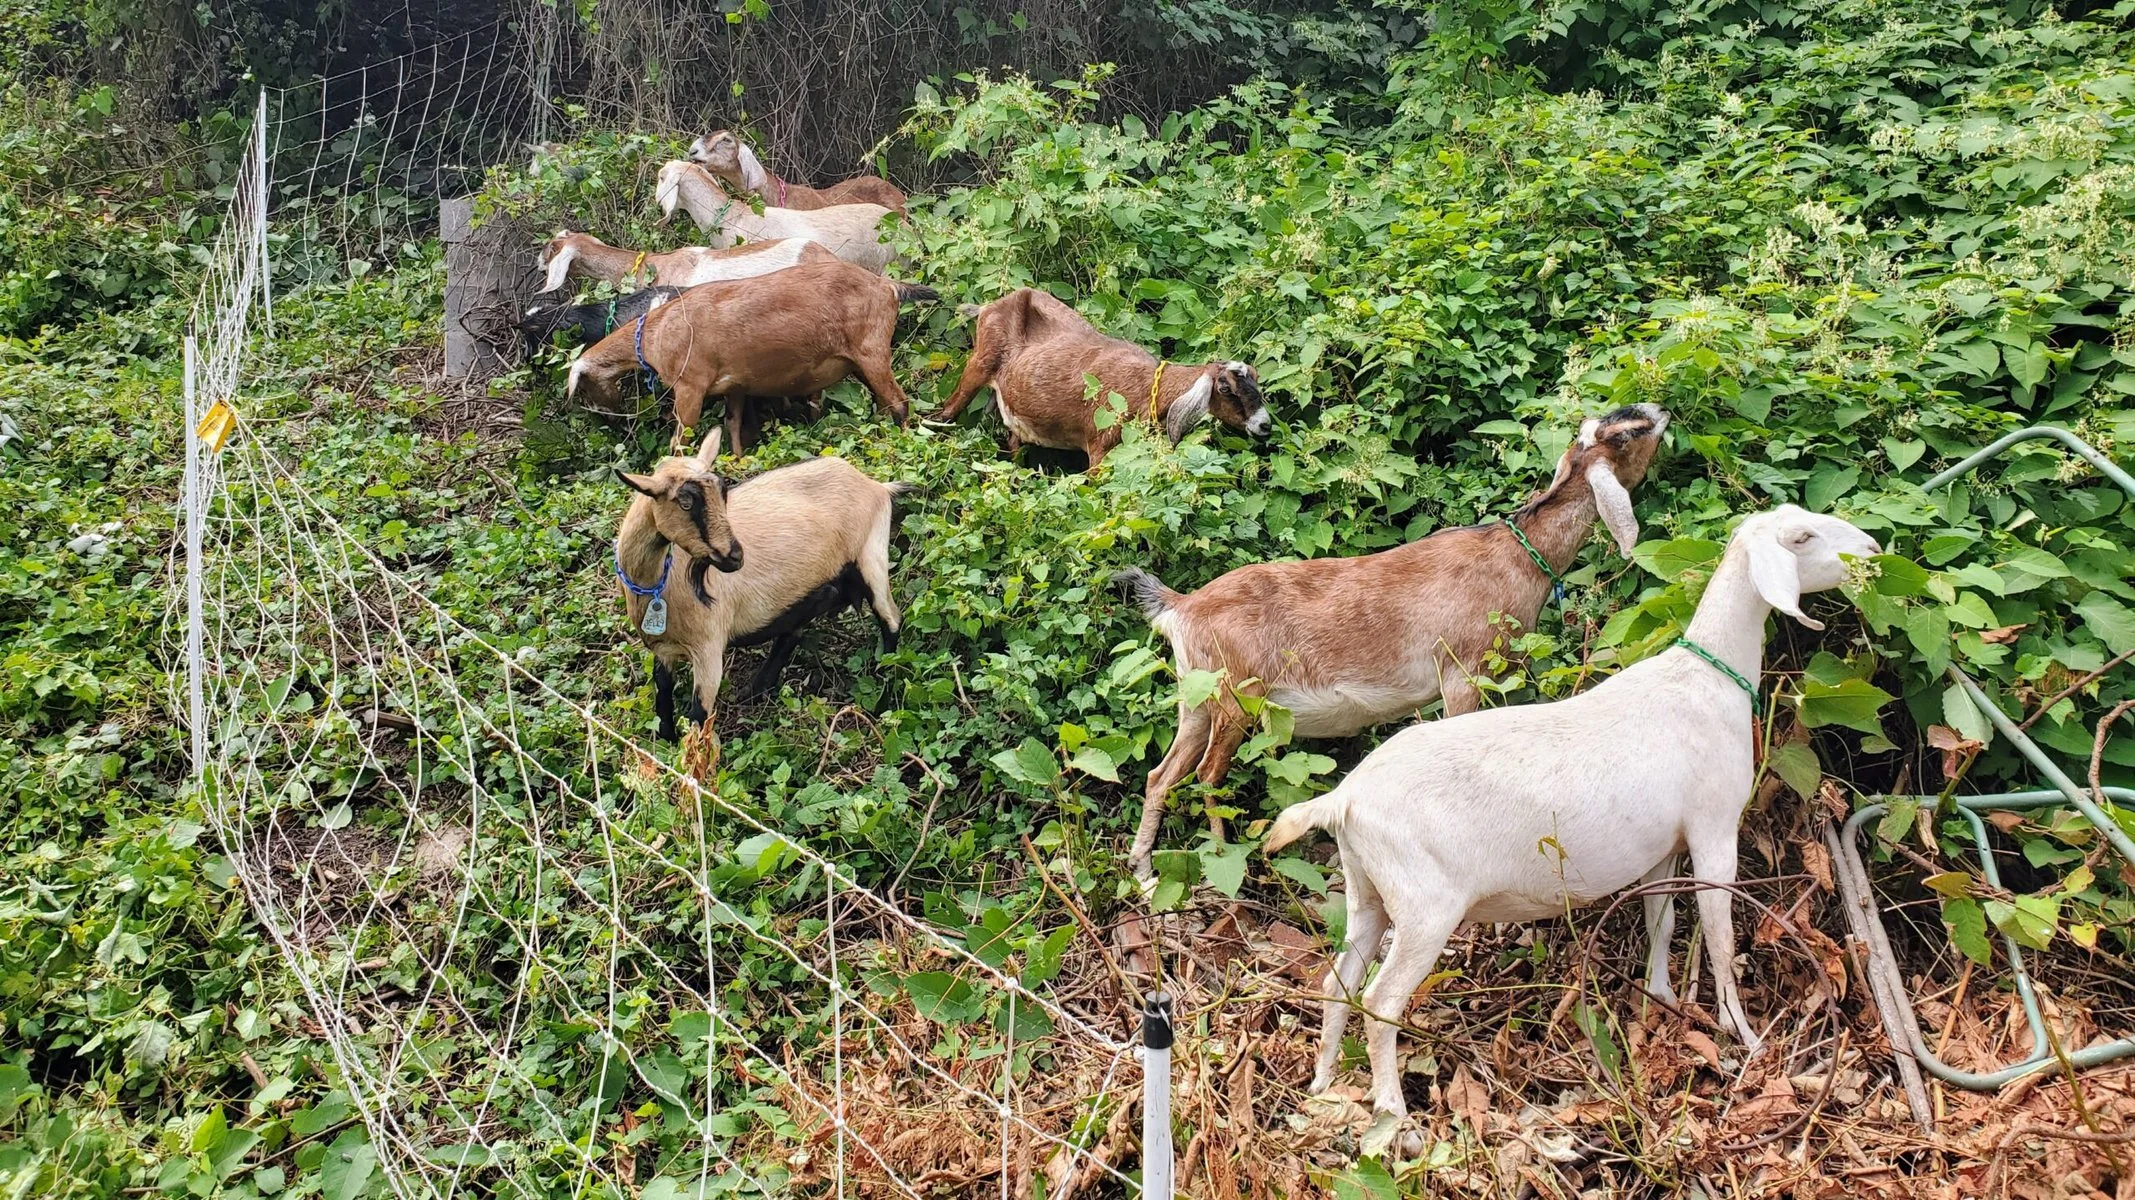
(1485, 814)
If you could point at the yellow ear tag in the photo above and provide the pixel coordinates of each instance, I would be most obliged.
(216, 425)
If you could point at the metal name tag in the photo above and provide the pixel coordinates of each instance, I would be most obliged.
(655, 622)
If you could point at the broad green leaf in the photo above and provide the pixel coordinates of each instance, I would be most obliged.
(1304, 872)
(941, 997)
(1092, 761)
(1224, 867)
(1796, 763)
(1897, 576)
(1897, 822)
(1852, 703)
(1968, 930)
(2109, 621)
(1367, 1180)
(1960, 714)
(1031, 762)
(346, 1171)
(1827, 484)
(1669, 560)
(1951, 885)
(1197, 686)
(2031, 920)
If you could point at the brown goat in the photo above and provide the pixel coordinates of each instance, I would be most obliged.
(1347, 643)
(728, 157)
(581, 254)
(788, 333)
(1035, 351)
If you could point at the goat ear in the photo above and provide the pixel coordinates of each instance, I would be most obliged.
(1614, 505)
(643, 485)
(559, 268)
(1187, 411)
(710, 451)
(1776, 575)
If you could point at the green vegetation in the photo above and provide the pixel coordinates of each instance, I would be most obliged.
(1843, 244)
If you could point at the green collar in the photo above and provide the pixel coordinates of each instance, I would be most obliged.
(1556, 582)
(1750, 689)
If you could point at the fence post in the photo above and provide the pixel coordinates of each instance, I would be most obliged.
(195, 526)
(1156, 1097)
(259, 231)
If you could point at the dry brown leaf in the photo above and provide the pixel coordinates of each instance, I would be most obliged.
(1293, 952)
(1817, 862)
(1705, 1047)
(1468, 1099)
(2002, 636)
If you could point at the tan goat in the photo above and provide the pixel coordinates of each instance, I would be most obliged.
(728, 157)
(817, 536)
(1347, 643)
(789, 333)
(1035, 350)
(581, 254)
(853, 232)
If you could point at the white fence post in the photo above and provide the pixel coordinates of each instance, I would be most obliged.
(259, 232)
(1156, 1097)
(195, 527)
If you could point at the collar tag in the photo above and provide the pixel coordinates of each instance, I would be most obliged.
(655, 622)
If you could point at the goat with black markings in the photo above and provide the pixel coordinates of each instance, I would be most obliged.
(1347, 643)
(580, 324)
(817, 535)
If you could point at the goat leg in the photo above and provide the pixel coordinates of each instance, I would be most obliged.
(663, 699)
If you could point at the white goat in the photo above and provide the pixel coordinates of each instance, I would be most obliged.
(1511, 814)
(853, 232)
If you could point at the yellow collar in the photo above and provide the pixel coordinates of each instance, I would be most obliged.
(1156, 382)
(635, 264)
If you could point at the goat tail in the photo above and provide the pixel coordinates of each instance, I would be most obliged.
(1148, 591)
(915, 293)
(1323, 813)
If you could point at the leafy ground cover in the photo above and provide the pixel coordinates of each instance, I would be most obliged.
(1843, 244)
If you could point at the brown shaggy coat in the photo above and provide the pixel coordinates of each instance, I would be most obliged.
(789, 333)
(1034, 350)
(1347, 643)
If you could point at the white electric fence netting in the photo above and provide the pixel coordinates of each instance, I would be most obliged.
(548, 962)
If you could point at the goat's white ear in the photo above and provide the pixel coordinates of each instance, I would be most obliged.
(1777, 575)
(559, 268)
(1187, 411)
(710, 452)
(669, 189)
(1614, 505)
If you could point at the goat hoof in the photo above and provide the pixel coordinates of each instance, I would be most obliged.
(1665, 994)
(1320, 1083)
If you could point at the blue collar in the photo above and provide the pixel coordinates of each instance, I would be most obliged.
(637, 589)
(651, 377)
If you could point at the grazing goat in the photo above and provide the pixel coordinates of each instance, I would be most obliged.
(586, 256)
(1034, 350)
(790, 333)
(817, 535)
(583, 323)
(729, 158)
(853, 232)
(1346, 643)
(1513, 814)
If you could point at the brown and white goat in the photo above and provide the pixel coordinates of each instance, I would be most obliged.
(1347, 643)
(817, 541)
(581, 254)
(1035, 350)
(727, 156)
(789, 333)
(853, 232)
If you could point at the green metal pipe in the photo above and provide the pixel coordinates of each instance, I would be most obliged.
(2075, 445)
(2042, 1054)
